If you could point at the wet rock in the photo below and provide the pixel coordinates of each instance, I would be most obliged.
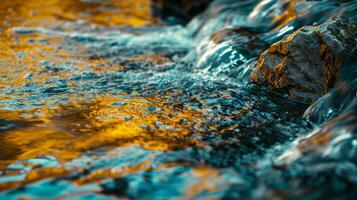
(306, 62)
(182, 10)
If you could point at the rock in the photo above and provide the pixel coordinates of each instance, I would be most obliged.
(306, 63)
(183, 10)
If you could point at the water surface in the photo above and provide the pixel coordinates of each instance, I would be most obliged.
(104, 100)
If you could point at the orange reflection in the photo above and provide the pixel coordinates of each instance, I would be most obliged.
(69, 130)
(111, 12)
(284, 14)
(36, 175)
(287, 16)
(18, 57)
(66, 131)
(208, 177)
(72, 129)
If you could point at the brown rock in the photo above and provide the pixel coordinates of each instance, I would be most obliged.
(306, 62)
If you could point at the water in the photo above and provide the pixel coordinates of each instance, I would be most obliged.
(101, 100)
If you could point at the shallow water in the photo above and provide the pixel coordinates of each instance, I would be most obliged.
(100, 99)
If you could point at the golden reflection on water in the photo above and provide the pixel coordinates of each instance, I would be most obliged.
(287, 16)
(281, 19)
(41, 12)
(53, 14)
(69, 130)
(35, 175)
(66, 131)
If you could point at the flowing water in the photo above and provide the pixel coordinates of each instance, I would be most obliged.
(104, 100)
